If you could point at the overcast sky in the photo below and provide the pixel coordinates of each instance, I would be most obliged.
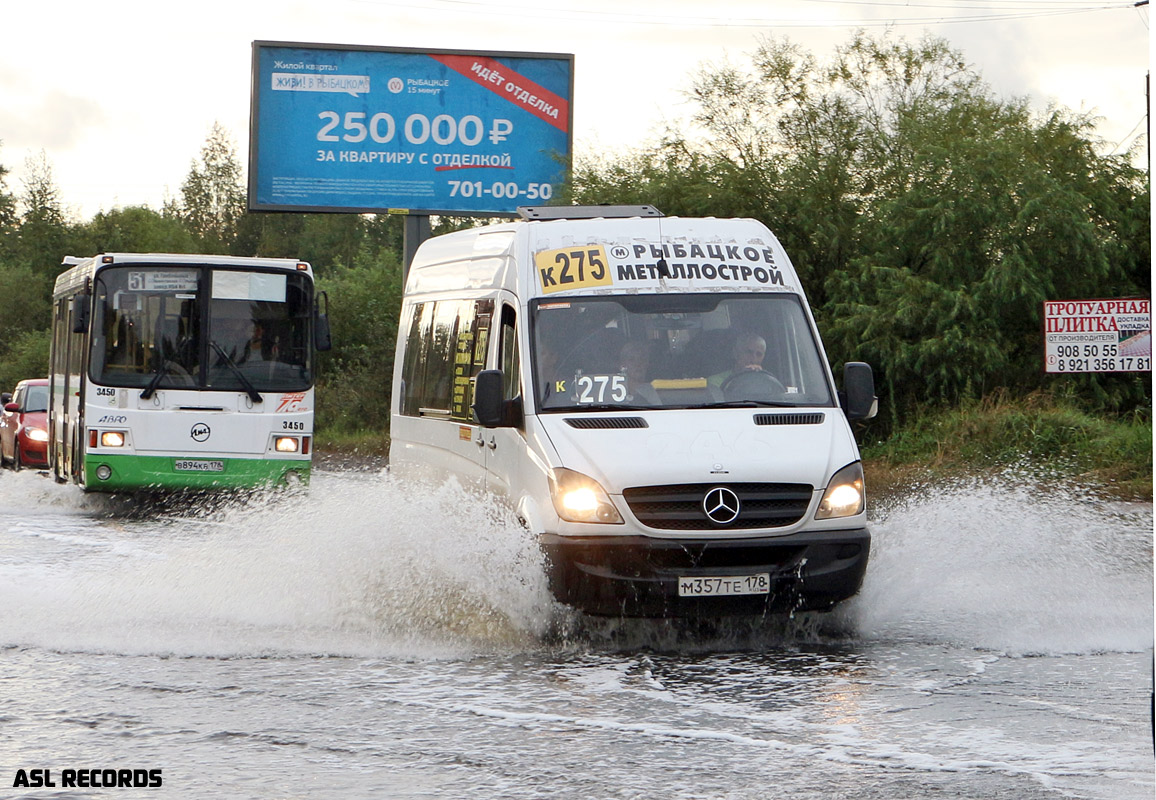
(120, 95)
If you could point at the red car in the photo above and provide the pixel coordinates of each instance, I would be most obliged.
(24, 426)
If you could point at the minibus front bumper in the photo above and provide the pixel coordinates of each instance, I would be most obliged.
(639, 576)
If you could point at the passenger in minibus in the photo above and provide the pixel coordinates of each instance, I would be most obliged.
(634, 363)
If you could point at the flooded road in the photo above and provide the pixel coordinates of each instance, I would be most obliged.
(362, 639)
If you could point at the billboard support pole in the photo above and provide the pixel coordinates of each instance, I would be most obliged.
(417, 230)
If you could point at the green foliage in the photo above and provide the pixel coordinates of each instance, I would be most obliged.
(136, 229)
(26, 356)
(354, 389)
(1045, 430)
(213, 194)
(927, 218)
(7, 210)
(26, 305)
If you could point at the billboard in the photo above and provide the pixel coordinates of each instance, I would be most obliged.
(1098, 335)
(372, 129)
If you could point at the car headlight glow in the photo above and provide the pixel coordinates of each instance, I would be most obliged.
(36, 434)
(112, 439)
(844, 496)
(579, 498)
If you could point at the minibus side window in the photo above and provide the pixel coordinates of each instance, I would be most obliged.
(508, 353)
(445, 349)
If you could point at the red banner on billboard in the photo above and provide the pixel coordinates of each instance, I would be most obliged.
(505, 82)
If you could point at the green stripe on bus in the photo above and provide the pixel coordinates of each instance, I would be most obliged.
(128, 472)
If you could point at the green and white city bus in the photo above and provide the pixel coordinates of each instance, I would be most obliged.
(183, 371)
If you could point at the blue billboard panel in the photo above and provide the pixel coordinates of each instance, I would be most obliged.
(337, 128)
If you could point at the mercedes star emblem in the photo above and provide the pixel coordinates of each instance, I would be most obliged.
(721, 505)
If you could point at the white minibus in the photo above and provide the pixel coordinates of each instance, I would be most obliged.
(650, 396)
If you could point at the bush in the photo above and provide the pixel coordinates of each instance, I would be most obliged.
(353, 390)
(26, 357)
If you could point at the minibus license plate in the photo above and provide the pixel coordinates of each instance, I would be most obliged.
(720, 585)
(194, 465)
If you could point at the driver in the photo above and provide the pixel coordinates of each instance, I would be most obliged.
(242, 339)
(748, 353)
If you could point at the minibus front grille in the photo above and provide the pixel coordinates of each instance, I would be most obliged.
(680, 507)
(602, 423)
(810, 418)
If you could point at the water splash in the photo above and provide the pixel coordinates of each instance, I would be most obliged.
(359, 564)
(1013, 563)
(355, 565)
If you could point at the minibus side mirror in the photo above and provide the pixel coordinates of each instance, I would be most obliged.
(488, 398)
(80, 313)
(859, 400)
(322, 340)
(491, 408)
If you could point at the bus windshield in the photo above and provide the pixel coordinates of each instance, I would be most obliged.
(202, 328)
(676, 351)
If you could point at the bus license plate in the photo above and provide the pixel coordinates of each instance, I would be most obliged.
(723, 585)
(195, 465)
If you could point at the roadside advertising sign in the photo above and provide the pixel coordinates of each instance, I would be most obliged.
(374, 129)
(1098, 335)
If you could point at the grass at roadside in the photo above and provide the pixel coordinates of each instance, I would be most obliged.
(1107, 454)
(345, 449)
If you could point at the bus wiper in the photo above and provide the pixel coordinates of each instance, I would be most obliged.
(162, 371)
(253, 394)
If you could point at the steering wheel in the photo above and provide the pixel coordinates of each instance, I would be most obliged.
(752, 385)
(178, 374)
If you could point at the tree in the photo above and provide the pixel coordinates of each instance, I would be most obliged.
(928, 219)
(7, 212)
(135, 229)
(212, 198)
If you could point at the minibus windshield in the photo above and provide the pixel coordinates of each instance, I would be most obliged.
(675, 351)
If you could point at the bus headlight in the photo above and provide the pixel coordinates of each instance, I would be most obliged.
(844, 495)
(112, 439)
(579, 498)
(36, 434)
(285, 444)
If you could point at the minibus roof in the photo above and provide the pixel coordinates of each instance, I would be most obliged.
(579, 252)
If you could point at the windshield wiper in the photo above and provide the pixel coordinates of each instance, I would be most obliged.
(743, 404)
(253, 393)
(150, 390)
(604, 407)
(162, 370)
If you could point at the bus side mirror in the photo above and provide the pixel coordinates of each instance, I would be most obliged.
(80, 313)
(859, 400)
(488, 399)
(322, 340)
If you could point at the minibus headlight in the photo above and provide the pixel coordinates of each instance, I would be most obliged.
(579, 498)
(844, 496)
(36, 434)
(286, 444)
(112, 439)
